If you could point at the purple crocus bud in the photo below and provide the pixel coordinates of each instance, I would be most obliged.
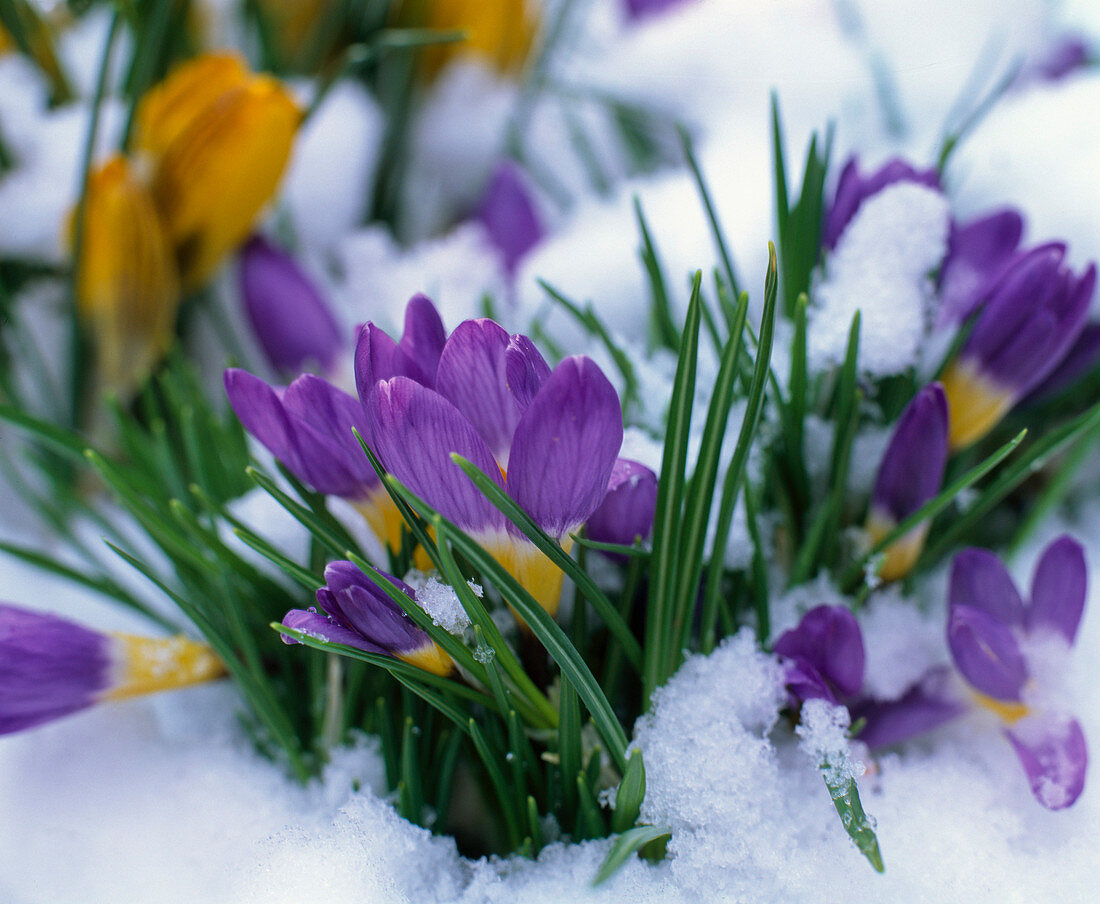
(51, 667)
(628, 509)
(978, 253)
(359, 613)
(637, 10)
(823, 657)
(992, 631)
(378, 357)
(507, 211)
(294, 326)
(853, 189)
(911, 473)
(1032, 319)
(928, 704)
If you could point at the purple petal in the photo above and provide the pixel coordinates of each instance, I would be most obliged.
(1069, 53)
(49, 667)
(978, 253)
(928, 704)
(827, 642)
(980, 580)
(1058, 589)
(911, 472)
(853, 189)
(565, 446)
(311, 622)
(422, 342)
(1082, 358)
(628, 509)
(1055, 757)
(354, 599)
(986, 652)
(260, 410)
(508, 214)
(331, 415)
(374, 359)
(414, 431)
(642, 9)
(293, 324)
(473, 376)
(527, 370)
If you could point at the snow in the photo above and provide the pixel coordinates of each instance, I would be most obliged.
(441, 602)
(880, 268)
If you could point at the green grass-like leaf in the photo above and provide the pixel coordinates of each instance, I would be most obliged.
(625, 846)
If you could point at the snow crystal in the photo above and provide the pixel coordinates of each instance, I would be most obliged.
(823, 737)
(880, 268)
(441, 602)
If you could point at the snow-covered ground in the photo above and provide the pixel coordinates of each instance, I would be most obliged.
(163, 800)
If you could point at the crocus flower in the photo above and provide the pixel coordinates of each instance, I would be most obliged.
(550, 439)
(51, 667)
(127, 286)
(911, 473)
(308, 426)
(823, 658)
(1068, 54)
(358, 613)
(499, 32)
(508, 214)
(289, 317)
(978, 253)
(215, 139)
(1005, 647)
(1033, 316)
(628, 509)
(1082, 358)
(853, 189)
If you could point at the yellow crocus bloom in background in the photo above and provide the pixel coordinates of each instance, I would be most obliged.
(215, 140)
(501, 32)
(128, 289)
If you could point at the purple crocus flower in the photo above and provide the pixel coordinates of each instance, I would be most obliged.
(51, 667)
(1068, 54)
(628, 509)
(823, 658)
(549, 438)
(292, 322)
(358, 613)
(978, 253)
(1034, 315)
(1080, 360)
(308, 425)
(997, 639)
(853, 189)
(507, 211)
(911, 473)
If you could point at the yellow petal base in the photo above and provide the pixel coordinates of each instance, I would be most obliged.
(384, 519)
(1009, 712)
(430, 658)
(976, 404)
(901, 555)
(527, 564)
(149, 664)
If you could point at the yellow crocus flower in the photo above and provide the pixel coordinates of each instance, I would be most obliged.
(500, 32)
(127, 288)
(215, 140)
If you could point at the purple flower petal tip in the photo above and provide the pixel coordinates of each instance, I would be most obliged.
(565, 445)
(977, 256)
(379, 357)
(853, 189)
(1058, 589)
(980, 580)
(309, 429)
(507, 211)
(290, 319)
(628, 509)
(826, 650)
(49, 667)
(1054, 754)
(636, 10)
(912, 468)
